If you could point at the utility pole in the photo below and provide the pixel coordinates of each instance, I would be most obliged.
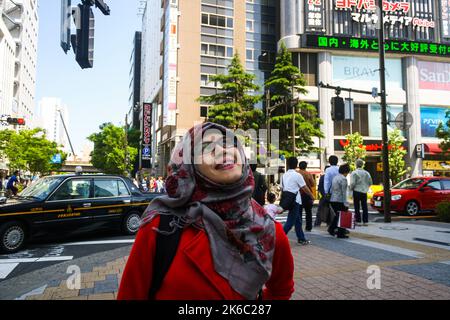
(384, 120)
(293, 122)
(269, 109)
(126, 146)
(268, 153)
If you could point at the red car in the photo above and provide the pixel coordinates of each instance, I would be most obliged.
(415, 195)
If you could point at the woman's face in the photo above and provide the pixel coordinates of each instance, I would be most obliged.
(220, 160)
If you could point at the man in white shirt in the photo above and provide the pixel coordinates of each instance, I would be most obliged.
(360, 182)
(293, 181)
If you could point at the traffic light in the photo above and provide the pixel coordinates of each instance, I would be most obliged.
(16, 121)
(83, 42)
(337, 109)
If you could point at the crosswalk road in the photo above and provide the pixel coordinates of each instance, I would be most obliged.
(40, 256)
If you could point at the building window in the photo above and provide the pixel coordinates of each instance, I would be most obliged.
(205, 19)
(230, 23)
(216, 50)
(216, 20)
(307, 63)
(249, 54)
(360, 124)
(204, 112)
(203, 80)
(204, 48)
(250, 25)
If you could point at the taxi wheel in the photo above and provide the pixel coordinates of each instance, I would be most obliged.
(12, 237)
(131, 223)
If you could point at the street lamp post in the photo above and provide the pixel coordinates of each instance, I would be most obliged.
(384, 120)
(294, 102)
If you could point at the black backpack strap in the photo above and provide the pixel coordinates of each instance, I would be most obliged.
(166, 248)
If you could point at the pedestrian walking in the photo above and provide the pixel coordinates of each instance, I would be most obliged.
(272, 209)
(330, 173)
(360, 182)
(12, 183)
(338, 200)
(293, 182)
(307, 200)
(153, 184)
(259, 194)
(147, 183)
(228, 247)
(323, 201)
(160, 185)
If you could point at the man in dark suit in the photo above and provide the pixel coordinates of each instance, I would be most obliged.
(259, 193)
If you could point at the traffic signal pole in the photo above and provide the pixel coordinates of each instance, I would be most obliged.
(67, 133)
(384, 120)
(384, 124)
(327, 86)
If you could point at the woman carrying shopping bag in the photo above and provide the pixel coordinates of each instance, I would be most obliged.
(338, 200)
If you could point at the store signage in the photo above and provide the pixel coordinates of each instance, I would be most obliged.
(430, 118)
(362, 72)
(56, 159)
(315, 15)
(364, 11)
(436, 165)
(369, 145)
(434, 75)
(371, 45)
(171, 65)
(147, 133)
(445, 18)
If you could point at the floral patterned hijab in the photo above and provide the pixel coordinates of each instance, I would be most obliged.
(241, 234)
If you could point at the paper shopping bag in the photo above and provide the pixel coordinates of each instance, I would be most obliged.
(346, 220)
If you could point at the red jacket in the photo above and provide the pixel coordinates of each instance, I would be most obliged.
(191, 275)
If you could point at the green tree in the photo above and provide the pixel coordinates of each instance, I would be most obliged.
(234, 105)
(134, 138)
(29, 150)
(109, 154)
(354, 149)
(285, 82)
(443, 132)
(5, 137)
(397, 153)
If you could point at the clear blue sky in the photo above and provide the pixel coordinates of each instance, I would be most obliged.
(93, 96)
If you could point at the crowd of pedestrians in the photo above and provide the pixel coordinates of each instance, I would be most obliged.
(151, 184)
(332, 192)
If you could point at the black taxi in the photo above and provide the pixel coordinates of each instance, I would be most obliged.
(71, 204)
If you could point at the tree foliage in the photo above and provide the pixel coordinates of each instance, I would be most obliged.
(110, 149)
(29, 151)
(234, 105)
(284, 83)
(443, 132)
(397, 153)
(354, 149)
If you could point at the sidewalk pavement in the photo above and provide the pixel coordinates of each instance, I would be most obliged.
(330, 268)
